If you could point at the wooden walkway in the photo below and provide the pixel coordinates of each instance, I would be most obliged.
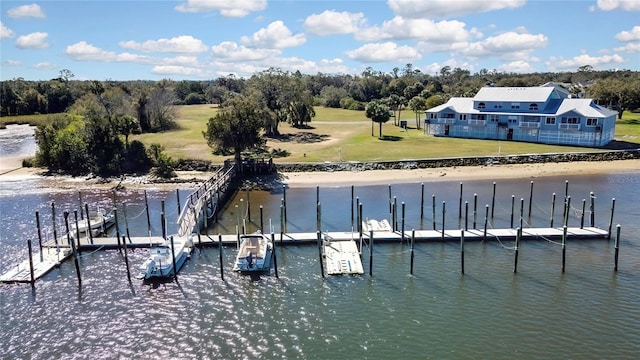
(339, 248)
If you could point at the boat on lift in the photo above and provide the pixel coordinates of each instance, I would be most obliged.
(255, 254)
(166, 259)
(99, 221)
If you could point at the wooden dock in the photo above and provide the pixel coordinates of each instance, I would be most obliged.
(339, 248)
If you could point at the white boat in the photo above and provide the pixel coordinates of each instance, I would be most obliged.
(254, 254)
(160, 264)
(99, 222)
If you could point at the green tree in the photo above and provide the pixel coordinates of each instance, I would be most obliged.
(418, 104)
(236, 126)
(127, 125)
(378, 112)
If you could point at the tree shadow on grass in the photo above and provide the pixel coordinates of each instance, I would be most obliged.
(622, 145)
(390, 138)
(301, 138)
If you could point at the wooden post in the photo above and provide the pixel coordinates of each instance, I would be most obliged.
(513, 201)
(126, 220)
(360, 217)
(475, 209)
(162, 220)
(584, 204)
(566, 215)
(33, 279)
(284, 206)
(613, 206)
(466, 215)
(530, 198)
(395, 214)
(564, 246)
(273, 248)
(73, 248)
(413, 239)
(89, 231)
(460, 203)
(126, 258)
(390, 203)
(80, 203)
(433, 211)
(352, 204)
(517, 249)
(317, 194)
(178, 200)
(566, 189)
(553, 208)
(262, 220)
(462, 250)
(318, 217)
(220, 255)
(146, 206)
(593, 210)
(493, 199)
(40, 236)
(370, 252)
(616, 248)
(75, 216)
(173, 258)
(53, 219)
(249, 206)
(444, 210)
(281, 222)
(486, 220)
(402, 223)
(521, 212)
(115, 216)
(319, 236)
(421, 200)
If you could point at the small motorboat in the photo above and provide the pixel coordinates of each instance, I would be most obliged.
(160, 264)
(254, 254)
(98, 221)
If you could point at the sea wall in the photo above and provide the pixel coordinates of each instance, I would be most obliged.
(465, 161)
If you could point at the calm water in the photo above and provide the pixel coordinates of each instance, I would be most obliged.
(588, 312)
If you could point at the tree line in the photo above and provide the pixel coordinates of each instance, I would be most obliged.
(92, 120)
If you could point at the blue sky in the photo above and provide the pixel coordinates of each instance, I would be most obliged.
(206, 39)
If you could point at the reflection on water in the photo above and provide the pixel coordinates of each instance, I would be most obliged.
(588, 312)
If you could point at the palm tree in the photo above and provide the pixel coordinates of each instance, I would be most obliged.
(378, 112)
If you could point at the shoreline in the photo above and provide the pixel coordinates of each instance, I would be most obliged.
(192, 179)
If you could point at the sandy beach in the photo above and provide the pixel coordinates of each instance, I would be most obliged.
(187, 179)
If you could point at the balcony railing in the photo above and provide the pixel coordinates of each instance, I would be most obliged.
(477, 122)
(570, 127)
(446, 120)
(530, 124)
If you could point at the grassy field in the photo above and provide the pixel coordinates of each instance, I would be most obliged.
(345, 135)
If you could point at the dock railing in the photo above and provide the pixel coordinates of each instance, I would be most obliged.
(190, 213)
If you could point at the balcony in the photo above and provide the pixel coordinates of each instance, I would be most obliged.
(569, 127)
(529, 124)
(446, 120)
(477, 122)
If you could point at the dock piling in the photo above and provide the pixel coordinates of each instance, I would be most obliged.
(564, 246)
(475, 209)
(33, 279)
(178, 201)
(613, 206)
(517, 249)
(593, 209)
(126, 258)
(466, 215)
(530, 198)
(173, 258)
(553, 208)
(262, 219)
(370, 252)
(89, 231)
(521, 212)
(319, 235)
(616, 248)
(402, 222)
(421, 200)
(53, 219)
(146, 207)
(220, 255)
(584, 203)
(462, 250)
(73, 247)
(513, 202)
(162, 221)
(352, 204)
(444, 210)
(486, 220)
(115, 215)
(40, 235)
(493, 199)
(413, 240)
(273, 253)
(460, 203)
(433, 211)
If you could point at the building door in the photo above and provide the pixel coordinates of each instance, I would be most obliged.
(446, 130)
(510, 134)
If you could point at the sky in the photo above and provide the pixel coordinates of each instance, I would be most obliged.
(207, 39)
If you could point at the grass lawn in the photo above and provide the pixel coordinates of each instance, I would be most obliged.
(345, 135)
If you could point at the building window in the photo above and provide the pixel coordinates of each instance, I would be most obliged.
(550, 121)
(515, 105)
(481, 106)
(570, 120)
(533, 107)
(449, 116)
(463, 117)
(495, 118)
(592, 122)
(497, 106)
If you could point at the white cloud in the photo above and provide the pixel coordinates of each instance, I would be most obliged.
(384, 52)
(632, 35)
(180, 71)
(12, 63)
(275, 36)
(36, 40)
(627, 5)
(561, 64)
(5, 32)
(229, 51)
(45, 66)
(400, 28)
(331, 22)
(631, 47)
(181, 60)
(420, 9)
(83, 51)
(236, 8)
(509, 45)
(180, 44)
(518, 66)
(26, 11)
